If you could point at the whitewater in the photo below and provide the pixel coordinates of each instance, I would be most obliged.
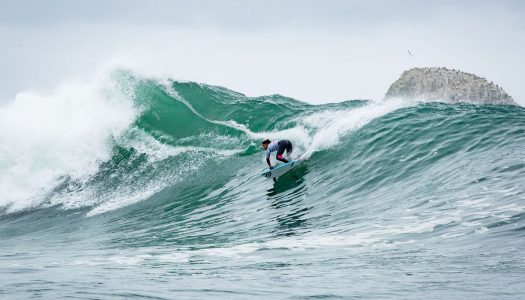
(132, 186)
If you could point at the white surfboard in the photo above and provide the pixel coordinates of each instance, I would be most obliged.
(279, 170)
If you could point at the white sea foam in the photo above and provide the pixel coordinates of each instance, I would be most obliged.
(45, 138)
(331, 126)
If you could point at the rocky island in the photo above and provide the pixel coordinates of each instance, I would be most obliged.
(442, 84)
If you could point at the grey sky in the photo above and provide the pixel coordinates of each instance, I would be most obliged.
(316, 51)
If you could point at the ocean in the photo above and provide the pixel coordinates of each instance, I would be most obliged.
(149, 188)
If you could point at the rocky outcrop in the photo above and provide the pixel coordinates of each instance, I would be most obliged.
(442, 84)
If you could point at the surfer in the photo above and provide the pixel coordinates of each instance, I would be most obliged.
(280, 146)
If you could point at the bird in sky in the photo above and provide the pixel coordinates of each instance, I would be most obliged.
(410, 53)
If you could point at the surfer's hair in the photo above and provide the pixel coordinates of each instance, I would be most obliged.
(266, 141)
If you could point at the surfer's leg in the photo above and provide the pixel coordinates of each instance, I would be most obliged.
(280, 150)
(289, 150)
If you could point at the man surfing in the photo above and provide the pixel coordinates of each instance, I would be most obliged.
(280, 146)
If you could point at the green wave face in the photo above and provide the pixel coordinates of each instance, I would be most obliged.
(396, 185)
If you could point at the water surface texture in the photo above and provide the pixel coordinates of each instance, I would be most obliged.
(144, 188)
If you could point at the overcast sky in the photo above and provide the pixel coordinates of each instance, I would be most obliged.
(315, 51)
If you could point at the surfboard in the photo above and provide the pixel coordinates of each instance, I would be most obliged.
(279, 170)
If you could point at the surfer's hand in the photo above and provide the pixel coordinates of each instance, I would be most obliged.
(271, 167)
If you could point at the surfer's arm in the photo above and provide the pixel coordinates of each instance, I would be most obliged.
(268, 160)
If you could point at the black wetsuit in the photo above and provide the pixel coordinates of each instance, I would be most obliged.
(283, 145)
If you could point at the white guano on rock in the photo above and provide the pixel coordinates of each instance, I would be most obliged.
(446, 85)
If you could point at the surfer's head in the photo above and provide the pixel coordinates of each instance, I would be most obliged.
(265, 143)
